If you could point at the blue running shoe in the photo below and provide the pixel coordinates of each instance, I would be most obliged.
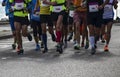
(37, 47)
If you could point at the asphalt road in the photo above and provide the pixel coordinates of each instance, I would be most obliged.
(68, 64)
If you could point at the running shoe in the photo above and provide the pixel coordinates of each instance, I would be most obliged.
(93, 50)
(20, 51)
(45, 50)
(95, 46)
(87, 45)
(53, 37)
(29, 37)
(59, 48)
(106, 49)
(37, 47)
(77, 46)
(13, 46)
(42, 45)
(103, 41)
(70, 36)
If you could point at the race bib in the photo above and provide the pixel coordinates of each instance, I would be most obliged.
(108, 6)
(71, 13)
(19, 6)
(57, 8)
(93, 7)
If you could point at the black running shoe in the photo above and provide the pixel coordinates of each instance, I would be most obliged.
(70, 37)
(59, 49)
(42, 45)
(29, 37)
(93, 51)
(53, 37)
(20, 52)
(45, 50)
(13, 46)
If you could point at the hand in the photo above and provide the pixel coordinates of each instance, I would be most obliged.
(100, 7)
(11, 10)
(3, 3)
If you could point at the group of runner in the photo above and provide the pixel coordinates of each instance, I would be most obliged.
(87, 20)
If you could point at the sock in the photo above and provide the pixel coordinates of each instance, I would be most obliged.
(58, 36)
(92, 41)
(44, 39)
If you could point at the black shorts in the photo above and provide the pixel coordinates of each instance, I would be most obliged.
(70, 20)
(22, 20)
(46, 19)
(94, 19)
(55, 15)
(35, 23)
(106, 21)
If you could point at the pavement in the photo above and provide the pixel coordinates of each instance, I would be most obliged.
(72, 63)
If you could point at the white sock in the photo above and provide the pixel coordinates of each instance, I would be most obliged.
(92, 41)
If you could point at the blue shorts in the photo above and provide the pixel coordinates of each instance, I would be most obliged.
(11, 20)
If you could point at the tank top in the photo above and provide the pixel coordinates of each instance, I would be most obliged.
(108, 10)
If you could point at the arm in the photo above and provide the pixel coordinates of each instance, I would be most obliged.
(102, 6)
(115, 4)
(3, 2)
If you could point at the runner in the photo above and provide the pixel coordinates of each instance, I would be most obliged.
(70, 7)
(35, 24)
(108, 17)
(58, 10)
(20, 22)
(45, 21)
(11, 20)
(80, 23)
(94, 18)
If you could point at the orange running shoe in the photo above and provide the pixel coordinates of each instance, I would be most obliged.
(106, 49)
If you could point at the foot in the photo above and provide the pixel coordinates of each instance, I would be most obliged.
(20, 52)
(77, 46)
(29, 37)
(45, 50)
(53, 37)
(37, 47)
(106, 49)
(87, 45)
(59, 48)
(42, 45)
(93, 50)
(70, 36)
(13, 46)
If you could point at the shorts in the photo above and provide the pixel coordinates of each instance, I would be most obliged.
(94, 19)
(22, 20)
(106, 21)
(80, 17)
(11, 20)
(55, 15)
(46, 19)
(36, 28)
